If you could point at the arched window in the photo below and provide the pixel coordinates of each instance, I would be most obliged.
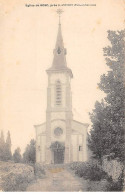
(58, 93)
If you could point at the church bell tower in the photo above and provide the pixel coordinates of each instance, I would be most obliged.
(60, 139)
(59, 100)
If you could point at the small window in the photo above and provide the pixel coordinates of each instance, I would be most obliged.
(80, 148)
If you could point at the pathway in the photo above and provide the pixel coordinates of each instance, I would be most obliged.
(58, 179)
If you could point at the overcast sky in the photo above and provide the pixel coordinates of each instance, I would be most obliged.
(28, 36)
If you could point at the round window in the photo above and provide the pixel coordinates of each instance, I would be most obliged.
(58, 132)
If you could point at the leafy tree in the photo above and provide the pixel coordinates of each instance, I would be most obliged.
(29, 155)
(107, 132)
(17, 156)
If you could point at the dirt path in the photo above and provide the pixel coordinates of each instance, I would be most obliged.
(58, 179)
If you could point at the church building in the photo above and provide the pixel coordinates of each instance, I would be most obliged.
(61, 139)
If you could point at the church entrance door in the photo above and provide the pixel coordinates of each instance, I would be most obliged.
(58, 149)
(58, 156)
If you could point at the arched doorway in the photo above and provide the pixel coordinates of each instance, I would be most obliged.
(58, 149)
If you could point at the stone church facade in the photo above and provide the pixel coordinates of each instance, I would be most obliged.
(60, 139)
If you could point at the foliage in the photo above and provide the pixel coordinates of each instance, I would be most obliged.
(97, 186)
(88, 170)
(2, 146)
(113, 168)
(5, 147)
(116, 186)
(17, 156)
(18, 178)
(107, 132)
(75, 165)
(29, 156)
(39, 170)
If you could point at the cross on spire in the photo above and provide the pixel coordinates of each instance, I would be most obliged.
(59, 12)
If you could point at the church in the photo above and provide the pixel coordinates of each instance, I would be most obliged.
(61, 139)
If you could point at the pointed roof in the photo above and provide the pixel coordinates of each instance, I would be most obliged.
(59, 60)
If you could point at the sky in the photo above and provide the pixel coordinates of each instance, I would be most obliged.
(28, 37)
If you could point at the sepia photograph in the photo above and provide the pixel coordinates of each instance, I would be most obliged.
(62, 93)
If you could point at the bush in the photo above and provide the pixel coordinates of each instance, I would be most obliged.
(15, 183)
(88, 170)
(116, 186)
(75, 165)
(39, 170)
(18, 178)
(94, 173)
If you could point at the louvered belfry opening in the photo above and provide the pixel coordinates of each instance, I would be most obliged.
(58, 93)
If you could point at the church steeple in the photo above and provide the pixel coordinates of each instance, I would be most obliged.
(59, 61)
(60, 129)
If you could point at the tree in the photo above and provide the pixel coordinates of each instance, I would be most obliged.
(7, 153)
(107, 132)
(17, 156)
(2, 146)
(29, 156)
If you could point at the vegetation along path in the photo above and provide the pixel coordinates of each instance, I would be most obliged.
(58, 179)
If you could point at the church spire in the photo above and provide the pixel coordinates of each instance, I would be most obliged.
(59, 60)
(59, 47)
(59, 41)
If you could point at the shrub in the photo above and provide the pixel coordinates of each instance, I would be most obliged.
(116, 186)
(75, 165)
(94, 173)
(88, 170)
(39, 170)
(18, 178)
